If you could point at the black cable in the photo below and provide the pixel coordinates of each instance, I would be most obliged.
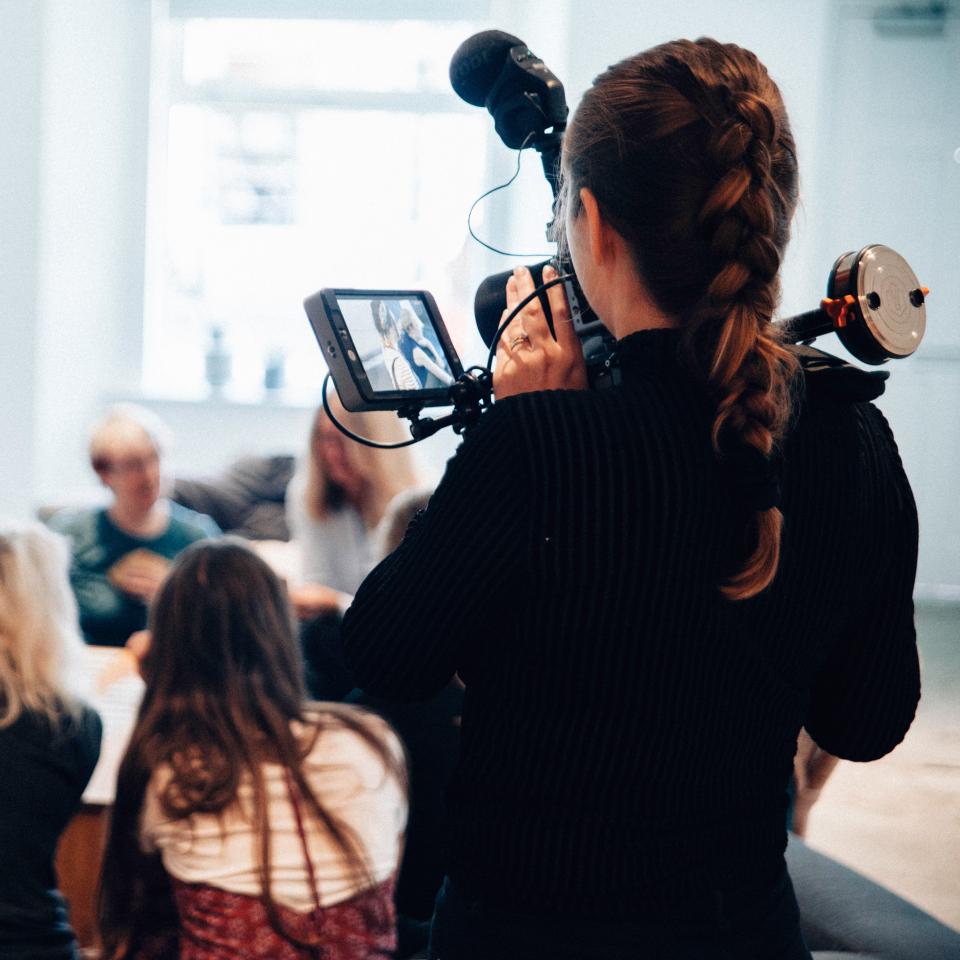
(488, 369)
(492, 190)
(527, 299)
(352, 435)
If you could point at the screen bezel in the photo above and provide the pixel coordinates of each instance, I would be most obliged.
(346, 368)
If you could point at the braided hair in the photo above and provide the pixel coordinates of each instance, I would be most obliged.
(688, 151)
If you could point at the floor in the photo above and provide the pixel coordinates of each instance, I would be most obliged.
(897, 820)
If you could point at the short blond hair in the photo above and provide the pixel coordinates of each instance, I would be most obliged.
(39, 631)
(125, 423)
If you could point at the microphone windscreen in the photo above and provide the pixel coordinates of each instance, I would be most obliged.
(491, 300)
(475, 66)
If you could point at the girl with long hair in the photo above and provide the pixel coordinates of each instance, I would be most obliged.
(649, 589)
(247, 822)
(336, 499)
(396, 364)
(49, 740)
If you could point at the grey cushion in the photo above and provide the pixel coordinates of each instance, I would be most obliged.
(844, 915)
(247, 500)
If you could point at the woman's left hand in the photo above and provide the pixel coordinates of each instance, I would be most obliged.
(528, 358)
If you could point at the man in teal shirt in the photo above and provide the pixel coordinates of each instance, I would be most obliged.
(121, 552)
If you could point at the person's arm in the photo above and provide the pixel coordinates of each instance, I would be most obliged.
(209, 528)
(446, 591)
(102, 606)
(139, 574)
(98, 599)
(811, 770)
(865, 696)
(316, 599)
(423, 359)
(441, 602)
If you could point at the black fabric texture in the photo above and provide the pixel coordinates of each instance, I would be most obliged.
(627, 731)
(430, 731)
(43, 772)
(108, 615)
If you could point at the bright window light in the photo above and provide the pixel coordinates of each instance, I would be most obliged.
(291, 155)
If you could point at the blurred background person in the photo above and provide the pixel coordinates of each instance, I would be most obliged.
(424, 359)
(401, 374)
(247, 822)
(121, 552)
(49, 740)
(335, 501)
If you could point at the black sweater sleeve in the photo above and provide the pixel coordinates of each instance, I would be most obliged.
(419, 612)
(866, 694)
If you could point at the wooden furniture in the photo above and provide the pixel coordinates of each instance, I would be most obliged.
(111, 684)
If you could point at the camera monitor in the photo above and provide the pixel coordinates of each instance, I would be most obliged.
(384, 347)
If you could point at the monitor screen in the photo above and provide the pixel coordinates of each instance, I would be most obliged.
(396, 342)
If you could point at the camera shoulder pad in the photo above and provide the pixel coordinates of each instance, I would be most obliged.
(828, 378)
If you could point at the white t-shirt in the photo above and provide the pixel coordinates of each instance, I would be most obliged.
(400, 373)
(336, 551)
(348, 779)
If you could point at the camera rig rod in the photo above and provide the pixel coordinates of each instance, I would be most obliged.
(470, 395)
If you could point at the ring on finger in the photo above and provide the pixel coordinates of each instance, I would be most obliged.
(522, 337)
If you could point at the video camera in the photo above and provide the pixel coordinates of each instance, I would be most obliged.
(390, 350)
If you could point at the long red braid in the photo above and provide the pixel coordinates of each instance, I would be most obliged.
(688, 149)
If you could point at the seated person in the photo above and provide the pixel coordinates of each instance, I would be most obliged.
(421, 354)
(121, 552)
(335, 501)
(247, 821)
(49, 741)
(401, 373)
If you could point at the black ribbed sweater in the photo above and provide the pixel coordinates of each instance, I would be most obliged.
(627, 732)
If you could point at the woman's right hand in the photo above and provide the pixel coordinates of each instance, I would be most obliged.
(811, 769)
(528, 358)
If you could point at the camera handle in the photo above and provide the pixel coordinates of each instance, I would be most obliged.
(470, 395)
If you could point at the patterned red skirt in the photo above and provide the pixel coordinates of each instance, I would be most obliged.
(217, 925)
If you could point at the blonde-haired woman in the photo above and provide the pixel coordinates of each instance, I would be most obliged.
(337, 497)
(49, 740)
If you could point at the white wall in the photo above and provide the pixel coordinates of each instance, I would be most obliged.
(95, 94)
(74, 93)
(890, 175)
(876, 118)
(20, 77)
(790, 38)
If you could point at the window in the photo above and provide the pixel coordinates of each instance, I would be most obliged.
(288, 155)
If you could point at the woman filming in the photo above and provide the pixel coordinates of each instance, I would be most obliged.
(649, 590)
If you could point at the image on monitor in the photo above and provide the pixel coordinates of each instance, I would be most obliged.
(396, 343)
